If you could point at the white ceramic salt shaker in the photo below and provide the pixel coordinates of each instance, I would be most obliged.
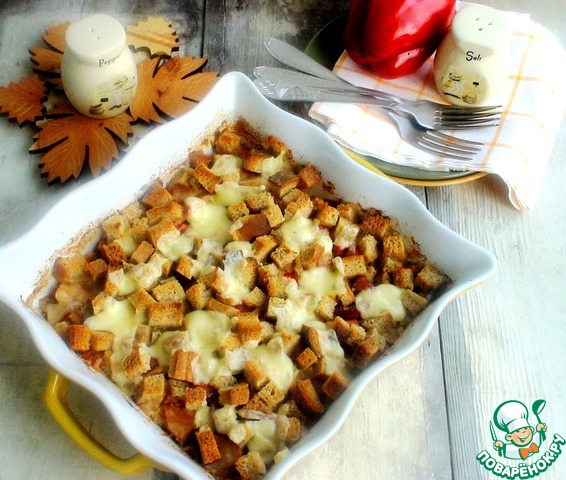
(98, 70)
(472, 63)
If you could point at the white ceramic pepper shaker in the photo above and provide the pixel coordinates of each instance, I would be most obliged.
(98, 70)
(472, 63)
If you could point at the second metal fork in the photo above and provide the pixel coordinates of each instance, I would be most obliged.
(433, 141)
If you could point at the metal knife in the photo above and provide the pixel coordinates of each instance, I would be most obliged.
(294, 58)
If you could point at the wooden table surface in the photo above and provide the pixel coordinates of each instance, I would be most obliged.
(427, 416)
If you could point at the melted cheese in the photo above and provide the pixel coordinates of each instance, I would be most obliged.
(207, 331)
(299, 232)
(322, 281)
(232, 286)
(118, 317)
(173, 245)
(275, 362)
(228, 193)
(265, 440)
(272, 165)
(146, 274)
(208, 219)
(379, 300)
(227, 165)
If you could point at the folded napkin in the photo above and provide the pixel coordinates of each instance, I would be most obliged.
(518, 150)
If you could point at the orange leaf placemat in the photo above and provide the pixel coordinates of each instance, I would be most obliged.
(168, 86)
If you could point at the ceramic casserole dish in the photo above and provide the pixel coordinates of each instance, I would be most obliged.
(234, 96)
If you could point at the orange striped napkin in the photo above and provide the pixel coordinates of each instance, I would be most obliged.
(534, 100)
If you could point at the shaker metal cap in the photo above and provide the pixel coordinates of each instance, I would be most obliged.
(96, 37)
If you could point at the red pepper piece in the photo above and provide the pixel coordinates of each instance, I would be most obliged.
(393, 38)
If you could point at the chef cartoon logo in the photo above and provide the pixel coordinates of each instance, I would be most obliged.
(522, 437)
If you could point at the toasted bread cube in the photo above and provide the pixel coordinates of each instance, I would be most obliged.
(141, 300)
(350, 211)
(237, 395)
(157, 195)
(250, 466)
(290, 340)
(195, 397)
(367, 350)
(328, 216)
(97, 268)
(355, 335)
(169, 291)
(302, 205)
(274, 215)
(78, 337)
(238, 210)
(255, 374)
(325, 308)
(429, 278)
(309, 176)
(165, 315)
(259, 201)
(176, 389)
(185, 266)
(138, 230)
(232, 142)
(413, 302)
(284, 256)
(380, 323)
(311, 256)
(294, 431)
(376, 225)
(368, 247)
(283, 182)
(354, 265)
(155, 232)
(115, 226)
(133, 211)
(99, 302)
(171, 211)
(342, 329)
(207, 178)
(199, 295)
(403, 278)
(305, 395)
(181, 365)
(306, 358)
(253, 226)
(249, 327)
(113, 253)
(263, 246)
(208, 447)
(184, 185)
(255, 299)
(136, 363)
(394, 247)
(221, 307)
(256, 404)
(143, 334)
(142, 253)
(100, 341)
(271, 395)
(348, 297)
(253, 161)
(335, 385)
(152, 389)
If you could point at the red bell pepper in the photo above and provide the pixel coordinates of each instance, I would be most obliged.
(393, 38)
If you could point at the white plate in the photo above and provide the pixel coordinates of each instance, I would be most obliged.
(234, 96)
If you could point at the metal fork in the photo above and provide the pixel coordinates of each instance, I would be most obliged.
(288, 85)
(433, 141)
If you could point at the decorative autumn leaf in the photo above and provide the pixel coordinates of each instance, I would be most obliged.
(153, 34)
(23, 101)
(55, 36)
(69, 139)
(47, 61)
(172, 88)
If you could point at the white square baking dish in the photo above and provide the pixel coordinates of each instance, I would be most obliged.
(234, 96)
